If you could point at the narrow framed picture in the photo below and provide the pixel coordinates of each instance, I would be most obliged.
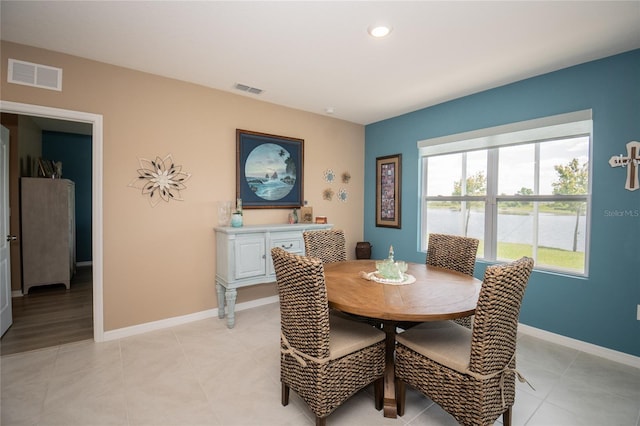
(388, 190)
(269, 170)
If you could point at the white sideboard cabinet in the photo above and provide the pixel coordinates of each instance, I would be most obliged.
(48, 232)
(243, 258)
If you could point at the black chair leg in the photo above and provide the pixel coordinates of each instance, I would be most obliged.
(378, 392)
(285, 395)
(401, 390)
(506, 417)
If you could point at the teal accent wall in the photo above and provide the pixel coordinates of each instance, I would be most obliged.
(75, 153)
(599, 309)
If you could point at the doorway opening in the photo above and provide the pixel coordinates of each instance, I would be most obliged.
(96, 267)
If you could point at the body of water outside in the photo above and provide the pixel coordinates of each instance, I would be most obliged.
(554, 231)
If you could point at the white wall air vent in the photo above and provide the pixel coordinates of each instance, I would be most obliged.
(249, 89)
(36, 75)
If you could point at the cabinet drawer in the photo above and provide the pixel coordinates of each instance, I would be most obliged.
(289, 241)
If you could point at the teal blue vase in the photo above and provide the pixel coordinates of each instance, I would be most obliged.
(236, 220)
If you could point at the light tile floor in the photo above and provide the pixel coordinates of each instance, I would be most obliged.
(205, 374)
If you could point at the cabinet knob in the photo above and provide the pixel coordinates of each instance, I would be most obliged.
(11, 238)
(264, 256)
(286, 247)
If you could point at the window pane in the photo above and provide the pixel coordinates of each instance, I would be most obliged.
(476, 173)
(457, 218)
(515, 230)
(561, 235)
(548, 232)
(571, 157)
(442, 173)
(516, 170)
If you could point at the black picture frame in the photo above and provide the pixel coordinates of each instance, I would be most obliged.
(388, 191)
(269, 170)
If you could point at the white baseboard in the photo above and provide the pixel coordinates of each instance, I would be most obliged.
(184, 319)
(590, 348)
(86, 263)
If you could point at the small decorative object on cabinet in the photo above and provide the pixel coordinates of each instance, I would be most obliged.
(306, 214)
(224, 213)
(321, 219)
(243, 258)
(48, 232)
(236, 220)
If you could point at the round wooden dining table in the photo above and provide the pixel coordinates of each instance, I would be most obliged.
(436, 294)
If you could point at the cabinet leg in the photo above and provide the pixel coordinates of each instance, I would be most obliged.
(220, 291)
(230, 296)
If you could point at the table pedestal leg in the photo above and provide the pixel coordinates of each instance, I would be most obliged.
(390, 403)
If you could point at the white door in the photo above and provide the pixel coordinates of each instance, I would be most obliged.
(6, 318)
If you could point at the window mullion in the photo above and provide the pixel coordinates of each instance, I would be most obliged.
(536, 206)
(422, 240)
(491, 209)
(463, 192)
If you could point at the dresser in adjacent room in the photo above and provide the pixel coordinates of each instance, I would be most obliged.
(48, 232)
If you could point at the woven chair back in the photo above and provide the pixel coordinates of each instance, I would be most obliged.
(493, 339)
(327, 245)
(304, 308)
(452, 252)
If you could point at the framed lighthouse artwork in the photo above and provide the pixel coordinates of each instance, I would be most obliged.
(269, 170)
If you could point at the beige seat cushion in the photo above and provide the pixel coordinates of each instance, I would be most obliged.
(347, 336)
(445, 342)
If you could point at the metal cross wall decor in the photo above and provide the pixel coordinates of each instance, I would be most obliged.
(631, 162)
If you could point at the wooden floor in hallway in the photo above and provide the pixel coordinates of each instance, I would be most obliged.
(51, 315)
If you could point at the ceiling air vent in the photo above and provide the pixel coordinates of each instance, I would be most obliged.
(249, 89)
(36, 75)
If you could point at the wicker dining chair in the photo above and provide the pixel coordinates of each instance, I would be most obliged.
(469, 373)
(455, 253)
(327, 245)
(325, 358)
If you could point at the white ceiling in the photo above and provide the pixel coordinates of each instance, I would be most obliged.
(318, 55)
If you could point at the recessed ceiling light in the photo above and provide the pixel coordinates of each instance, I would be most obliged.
(379, 31)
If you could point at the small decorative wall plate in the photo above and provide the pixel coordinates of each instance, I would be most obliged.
(329, 176)
(327, 194)
(343, 195)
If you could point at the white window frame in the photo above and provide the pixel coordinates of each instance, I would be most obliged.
(541, 130)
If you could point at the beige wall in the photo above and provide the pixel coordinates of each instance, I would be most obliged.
(159, 262)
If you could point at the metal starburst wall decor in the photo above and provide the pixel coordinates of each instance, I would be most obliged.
(160, 179)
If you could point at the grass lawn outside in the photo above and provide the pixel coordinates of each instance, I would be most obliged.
(566, 260)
